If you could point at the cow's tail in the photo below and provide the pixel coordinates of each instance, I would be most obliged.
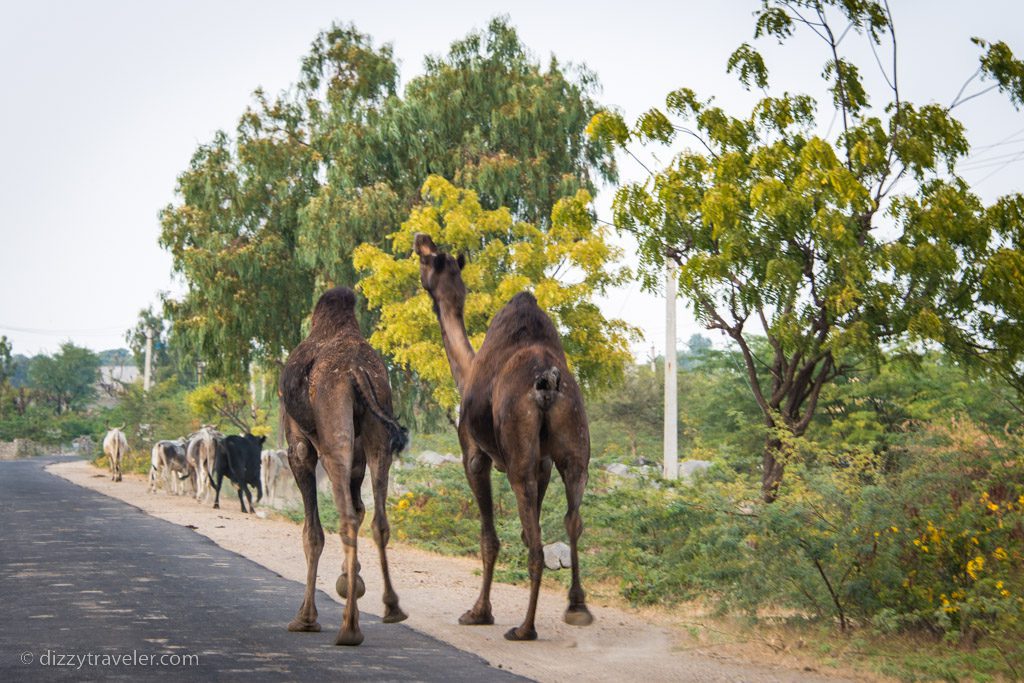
(399, 435)
(545, 387)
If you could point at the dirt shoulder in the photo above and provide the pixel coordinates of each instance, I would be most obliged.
(435, 590)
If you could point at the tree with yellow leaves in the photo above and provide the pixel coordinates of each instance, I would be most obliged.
(564, 266)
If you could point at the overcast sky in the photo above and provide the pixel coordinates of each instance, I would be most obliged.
(103, 103)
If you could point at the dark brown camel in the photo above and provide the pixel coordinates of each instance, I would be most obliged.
(337, 399)
(521, 411)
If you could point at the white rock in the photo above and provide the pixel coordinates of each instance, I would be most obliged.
(432, 459)
(557, 555)
(618, 469)
(688, 468)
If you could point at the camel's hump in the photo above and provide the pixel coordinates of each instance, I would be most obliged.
(336, 307)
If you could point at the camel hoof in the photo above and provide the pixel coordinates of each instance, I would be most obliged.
(351, 638)
(578, 616)
(216, 506)
(519, 634)
(395, 615)
(341, 586)
(297, 625)
(471, 618)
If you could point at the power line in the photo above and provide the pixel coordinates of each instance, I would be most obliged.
(41, 331)
(1000, 168)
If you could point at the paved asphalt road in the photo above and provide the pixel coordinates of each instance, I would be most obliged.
(81, 574)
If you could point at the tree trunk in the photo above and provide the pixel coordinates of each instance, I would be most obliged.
(772, 467)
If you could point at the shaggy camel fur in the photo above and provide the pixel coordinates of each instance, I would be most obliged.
(335, 391)
(521, 412)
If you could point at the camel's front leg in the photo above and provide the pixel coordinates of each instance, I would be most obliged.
(303, 464)
(478, 471)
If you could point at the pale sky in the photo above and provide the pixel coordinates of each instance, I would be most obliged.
(103, 104)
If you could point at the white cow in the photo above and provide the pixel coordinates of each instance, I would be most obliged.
(156, 465)
(168, 462)
(115, 446)
(201, 452)
(274, 471)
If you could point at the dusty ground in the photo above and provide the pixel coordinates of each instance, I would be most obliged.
(434, 589)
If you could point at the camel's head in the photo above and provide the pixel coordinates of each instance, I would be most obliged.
(441, 274)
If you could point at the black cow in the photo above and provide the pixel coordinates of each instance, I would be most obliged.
(238, 458)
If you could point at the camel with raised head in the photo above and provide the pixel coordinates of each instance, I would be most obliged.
(337, 402)
(522, 412)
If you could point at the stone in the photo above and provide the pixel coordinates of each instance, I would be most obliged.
(617, 469)
(557, 555)
(688, 468)
(432, 459)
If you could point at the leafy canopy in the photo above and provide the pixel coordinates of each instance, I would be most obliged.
(269, 218)
(68, 378)
(807, 238)
(564, 266)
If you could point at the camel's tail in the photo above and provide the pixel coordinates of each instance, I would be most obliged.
(545, 387)
(399, 434)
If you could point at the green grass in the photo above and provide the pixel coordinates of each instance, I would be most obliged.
(660, 546)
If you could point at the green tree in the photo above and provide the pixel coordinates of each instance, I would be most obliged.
(775, 228)
(635, 408)
(565, 267)
(268, 219)
(221, 403)
(66, 379)
(6, 373)
(170, 359)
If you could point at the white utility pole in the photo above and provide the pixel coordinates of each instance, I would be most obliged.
(671, 455)
(147, 376)
(252, 387)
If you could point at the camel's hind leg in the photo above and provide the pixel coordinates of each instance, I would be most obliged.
(575, 479)
(302, 459)
(379, 460)
(478, 472)
(528, 499)
(356, 491)
(336, 436)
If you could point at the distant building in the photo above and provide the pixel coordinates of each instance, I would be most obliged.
(112, 380)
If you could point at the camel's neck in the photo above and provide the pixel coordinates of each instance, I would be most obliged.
(456, 343)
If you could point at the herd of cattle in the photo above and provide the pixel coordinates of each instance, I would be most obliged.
(202, 460)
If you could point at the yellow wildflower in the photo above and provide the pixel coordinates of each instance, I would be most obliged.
(975, 566)
(403, 504)
(993, 507)
(1000, 554)
(895, 529)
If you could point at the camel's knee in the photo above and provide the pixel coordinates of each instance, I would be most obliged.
(314, 538)
(381, 530)
(490, 545)
(536, 562)
(573, 524)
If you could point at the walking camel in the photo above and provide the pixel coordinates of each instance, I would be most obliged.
(521, 412)
(337, 399)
